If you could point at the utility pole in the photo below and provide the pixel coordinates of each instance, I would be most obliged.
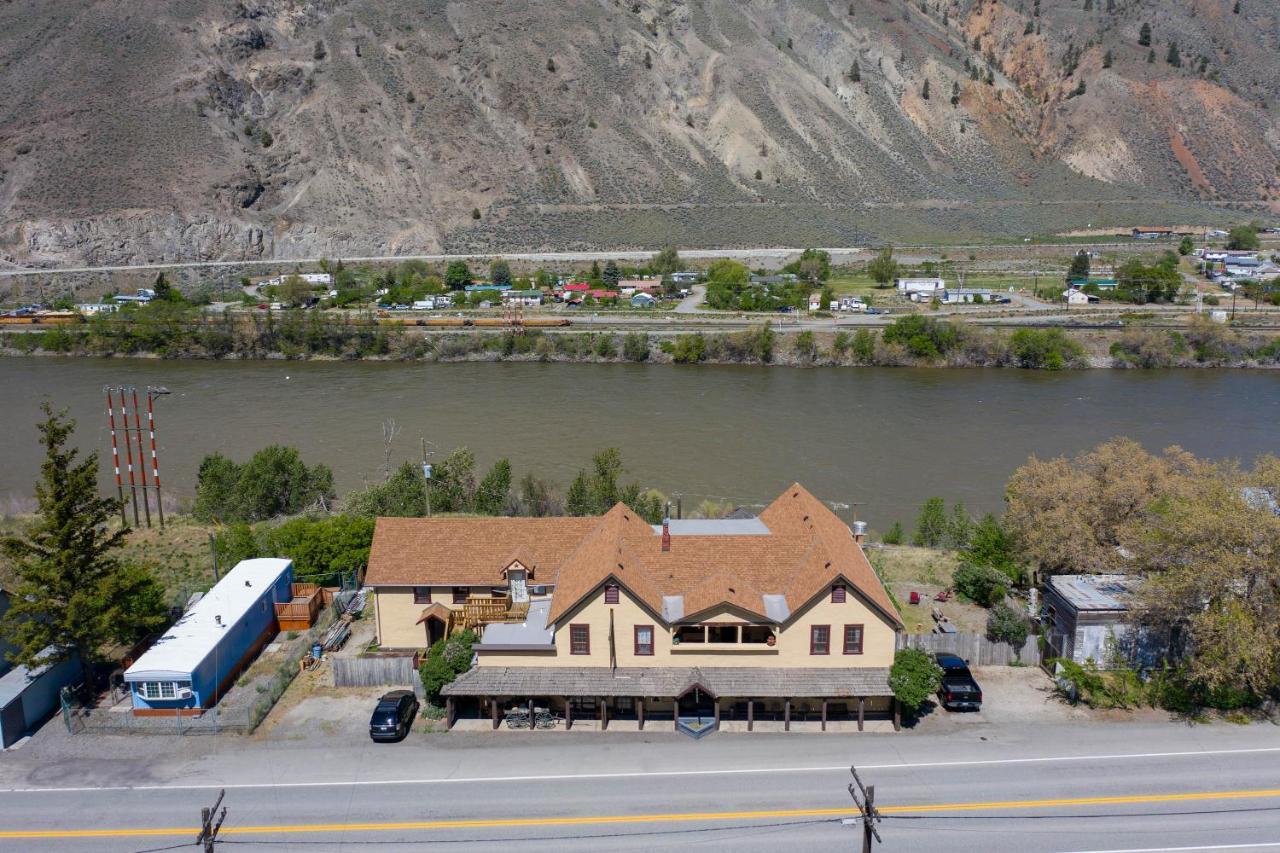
(864, 797)
(426, 473)
(208, 827)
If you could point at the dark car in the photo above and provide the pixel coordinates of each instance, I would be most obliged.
(393, 717)
(959, 691)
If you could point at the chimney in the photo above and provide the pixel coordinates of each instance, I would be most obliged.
(666, 535)
(859, 531)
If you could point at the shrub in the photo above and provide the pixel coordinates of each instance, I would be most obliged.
(689, 349)
(894, 536)
(989, 545)
(923, 337)
(914, 677)
(805, 346)
(931, 526)
(445, 661)
(1045, 349)
(982, 585)
(635, 347)
(275, 481)
(1006, 625)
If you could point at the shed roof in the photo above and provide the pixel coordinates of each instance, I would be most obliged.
(193, 637)
(1095, 592)
(740, 681)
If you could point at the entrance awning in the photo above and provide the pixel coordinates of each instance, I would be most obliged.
(438, 610)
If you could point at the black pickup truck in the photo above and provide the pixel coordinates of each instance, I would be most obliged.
(959, 692)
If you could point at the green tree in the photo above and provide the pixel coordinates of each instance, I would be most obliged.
(989, 545)
(982, 585)
(855, 73)
(689, 349)
(457, 275)
(1185, 246)
(445, 661)
(1107, 59)
(813, 265)
(73, 596)
(611, 275)
(924, 90)
(495, 489)
(864, 346)
(923, 337)
(165, 291)
(913, 678)
(453, 487)
(806, 347)
(1243, 238)
(294, 290)
(323, 550)
(403, 495)
(1045, 349)
(666, 261)
(1006, 625)
(1079, 270)
(1144, 35)
(895, 534)
(500, 273)
(883, 269)
(931, 526)
(959, 528)
(635, 346)
(1173, 57)
(275, 481)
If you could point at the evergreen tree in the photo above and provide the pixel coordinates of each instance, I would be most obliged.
(1107, 59)
(1151, 56)
(955, 94)
(855, 73)
(924, 90)
(500, 273)
(611, 275)
(1173, 57)
(73, 596)
(1144, 35)
(931, 526)
(495, 489)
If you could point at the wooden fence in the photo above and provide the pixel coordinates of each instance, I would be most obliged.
(375, 671)
(975, 648)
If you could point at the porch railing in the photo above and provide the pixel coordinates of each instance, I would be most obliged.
(483, 611)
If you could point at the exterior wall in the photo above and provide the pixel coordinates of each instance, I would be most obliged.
(38, 700)
(397, 613)
(791, 650)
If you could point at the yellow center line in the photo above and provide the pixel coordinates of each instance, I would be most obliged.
(675, 817)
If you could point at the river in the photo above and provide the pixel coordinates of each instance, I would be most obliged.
(886, 438)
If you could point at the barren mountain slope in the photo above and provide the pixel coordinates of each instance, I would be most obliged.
(145, 130)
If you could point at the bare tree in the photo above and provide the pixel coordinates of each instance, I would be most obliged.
(389, 432)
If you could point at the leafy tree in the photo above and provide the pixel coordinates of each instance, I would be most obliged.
(689, 349)
(500, 273)
(323, 550)
(1079, 269)
(165, 291)
(1173, 57)
(294, 290)
(1006, 625)
(666, 261)
(913, 678)
(1185, 246)
(982, 585)
(813, 265)
(1107, 59)
(959, 528)
(445, 661)
(551, 65)
(1144, 35)
(495, 489)
(535, 497)
(1045, 349)
(275, 481)
(923, 337)
(931, 526)
(73, 596)
(805, 346)
(895, 534)
(403, 495)
(635, 346)
(989, 545)
(864, 346)
(457, 275)
(924, 90)
(883, 268)
(1243, 238)
(453, 486)
(596, 491)
(955, 94)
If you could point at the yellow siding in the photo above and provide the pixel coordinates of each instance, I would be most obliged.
(791, 650)
(397, 614)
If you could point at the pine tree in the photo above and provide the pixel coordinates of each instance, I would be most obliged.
(955, 94)
(495, 489)
(924, 91)
(551, 65)
(1144, 35)
(1151, 56)
(73, 595)
(1173, 57)
(855, 73)
(1106, 59)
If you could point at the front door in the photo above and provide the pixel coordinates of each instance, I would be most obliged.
(435, 630)
(519, 588)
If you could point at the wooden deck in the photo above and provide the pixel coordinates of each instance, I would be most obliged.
(300, 613)
(477, 612)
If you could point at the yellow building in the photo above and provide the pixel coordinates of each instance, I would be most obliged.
(776, 617)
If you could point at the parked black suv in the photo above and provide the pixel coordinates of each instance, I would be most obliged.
(393, 717)
(959, 692)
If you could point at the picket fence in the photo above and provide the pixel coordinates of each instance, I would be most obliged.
(975, 648)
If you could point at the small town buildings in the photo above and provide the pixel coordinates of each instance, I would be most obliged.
(1100, 282)
(643, 300)
(29, 695)
(1087, 617)
(486, 289)
(143, 296)
(524, 298)
(93, 309)
(773, 280)
(964, 295)
(921, 289)
(815, 301)
(1079, 297)
(684, 277)
(778, 617)
(196, 661)
(640, 285)
(315, 279)
(851, 303)
(1152, 233)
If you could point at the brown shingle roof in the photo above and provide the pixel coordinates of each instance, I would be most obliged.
(807, 549)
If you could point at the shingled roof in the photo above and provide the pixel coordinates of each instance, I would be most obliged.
(807, 549)
(760, 682)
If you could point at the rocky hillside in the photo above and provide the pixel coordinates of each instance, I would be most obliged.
(147, 130)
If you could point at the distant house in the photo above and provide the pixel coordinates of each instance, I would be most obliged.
(921, 289)
(98, 308)
(312, 278)
(603, 294)
(1079, 297)
(685, 277)
(1087, 617)
(815, 301)
(190, 668)
(640, 285)
(1152, 233)
(771, 280)
(962, 295)
(143, 296)
(526, 298)
(28, 695)
(486, 289)
(1100, 283)
(643, 300)
(851, 303)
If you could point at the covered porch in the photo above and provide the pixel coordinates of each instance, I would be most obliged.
(695, 700)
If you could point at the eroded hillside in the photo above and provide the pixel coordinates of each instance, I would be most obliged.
(143, 130)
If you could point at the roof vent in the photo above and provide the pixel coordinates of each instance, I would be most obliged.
(217, 618)
(666, 535)
(246, 583)
(859, 531)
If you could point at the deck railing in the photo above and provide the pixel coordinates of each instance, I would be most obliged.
(483, 611)
(300, 613)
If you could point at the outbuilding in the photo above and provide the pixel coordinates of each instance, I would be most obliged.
(1087, 617)
(190, 668)
(643, 300)
(29, 695)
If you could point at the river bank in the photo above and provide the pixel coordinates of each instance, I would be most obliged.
(913, 341)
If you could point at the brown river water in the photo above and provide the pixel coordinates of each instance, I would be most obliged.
(885, 438)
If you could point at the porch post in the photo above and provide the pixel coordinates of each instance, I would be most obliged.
(786, 714)
(824, 714)
(640, 711)
(675, 714)
(568, 714)
(604, 713)
(751, 715)
(532, 727)
(897, 715)
(448, 712)
(717, 717)
(493, 711)
(862, 707)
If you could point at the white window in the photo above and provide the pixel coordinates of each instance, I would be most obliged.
(153, 690)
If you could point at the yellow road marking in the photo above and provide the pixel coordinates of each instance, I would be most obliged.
(676, 817)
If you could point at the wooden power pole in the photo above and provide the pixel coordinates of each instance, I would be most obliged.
(864, 797)
(210, 822)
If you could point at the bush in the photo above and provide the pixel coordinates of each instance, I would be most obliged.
(932, 525)
(689, 349)
(895, 535)
(635, 347)
(989, 545)
(914, 677)
(445, 661)
(275, 481)
(1045, 349)
(923, 337)
(1006, 625)
(982, 585)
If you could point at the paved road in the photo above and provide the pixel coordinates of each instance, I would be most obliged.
(1057, 787)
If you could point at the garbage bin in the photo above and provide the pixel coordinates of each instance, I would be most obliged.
(316, 651)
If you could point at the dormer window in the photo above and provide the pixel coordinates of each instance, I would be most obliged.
(611, 594)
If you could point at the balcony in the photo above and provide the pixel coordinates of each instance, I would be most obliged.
(478, 612)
